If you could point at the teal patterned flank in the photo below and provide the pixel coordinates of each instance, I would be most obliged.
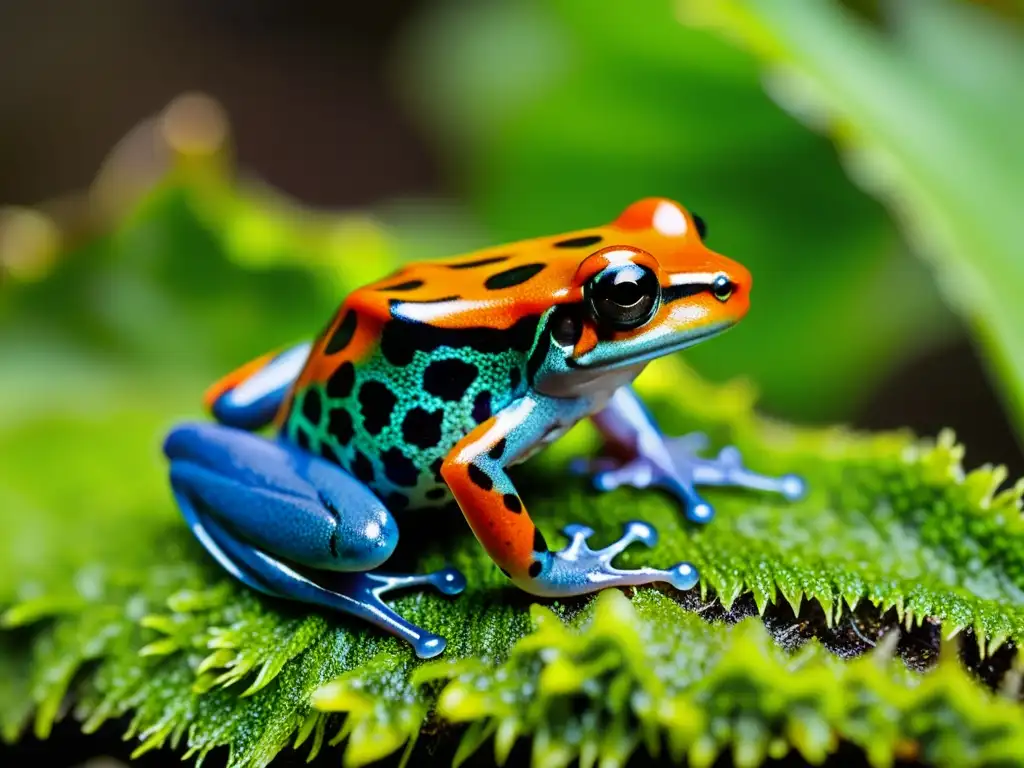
(391, 426)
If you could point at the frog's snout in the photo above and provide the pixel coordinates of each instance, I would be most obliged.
(731, 288)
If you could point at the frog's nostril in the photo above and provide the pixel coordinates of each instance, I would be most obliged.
(722, 287)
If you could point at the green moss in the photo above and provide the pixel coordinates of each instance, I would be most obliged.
(615, 679)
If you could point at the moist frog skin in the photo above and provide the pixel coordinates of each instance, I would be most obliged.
(427, 384)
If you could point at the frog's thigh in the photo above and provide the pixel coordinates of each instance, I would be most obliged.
(279, 499)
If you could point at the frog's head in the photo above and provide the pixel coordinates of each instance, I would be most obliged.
(655, 288)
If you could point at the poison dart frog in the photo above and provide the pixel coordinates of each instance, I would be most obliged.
(426, 385)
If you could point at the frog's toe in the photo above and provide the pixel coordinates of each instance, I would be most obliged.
(607, 474)
(638, 530)
(429, 646)
(642, 472)
(449, 581)
(577, 569)
(727, 469)
(684, 576)
(700, 512)
(792, 487)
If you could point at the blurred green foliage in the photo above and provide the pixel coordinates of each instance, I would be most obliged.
(703, 692)
(929, 114)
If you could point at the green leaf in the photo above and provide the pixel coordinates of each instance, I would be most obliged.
(936, 141)
(609, 102)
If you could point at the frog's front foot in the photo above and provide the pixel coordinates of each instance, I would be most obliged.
(675, 466)
(578, 569)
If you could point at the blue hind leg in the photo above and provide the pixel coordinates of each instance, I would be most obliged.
(270, 514)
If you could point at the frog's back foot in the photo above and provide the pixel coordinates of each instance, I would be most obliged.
(355, 594)
(684, 471)
(270, 513)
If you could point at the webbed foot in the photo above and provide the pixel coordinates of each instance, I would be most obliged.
(368, 589)
(578, 569)
(676, 468)
(357, 594)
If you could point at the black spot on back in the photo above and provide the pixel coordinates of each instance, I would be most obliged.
(340, 425)
(422, 428)
(511, 277)
(480, 478)
(342, 334)
(376, 402)
(401, 339)
(399, 468)
(302, 438)
(515, 378)
(535, 569)
(362, 468)
(436, 494)
(409, 285)
(498, 450)
(312, 408)
(539, 544)
(342, 380)
(481, 407)
(512, 503)
(579, 242)
(478, 262)
(449, 379)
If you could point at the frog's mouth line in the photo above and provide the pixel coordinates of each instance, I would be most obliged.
(658, 350)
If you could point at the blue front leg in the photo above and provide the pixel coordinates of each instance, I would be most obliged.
(671, 463)
(267, 512)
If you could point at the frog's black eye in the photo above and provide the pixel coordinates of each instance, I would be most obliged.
(702, 227)
(722, 287)
(623, 296)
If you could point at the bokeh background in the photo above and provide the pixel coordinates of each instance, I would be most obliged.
(186, 184)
